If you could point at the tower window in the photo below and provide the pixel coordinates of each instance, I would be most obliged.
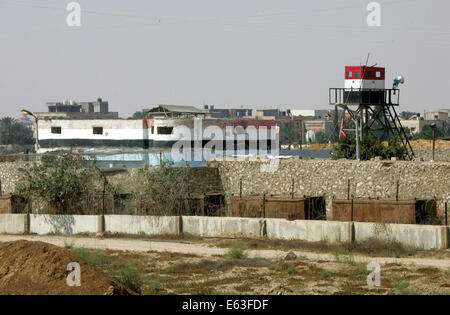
(165, 130)
(56, 130)
(97, 130)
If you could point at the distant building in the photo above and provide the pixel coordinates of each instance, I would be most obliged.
(227, 112)
(98, 109)
(440, 114)
(416, 125)
(26, 121)
(317, 113)
(174, 111)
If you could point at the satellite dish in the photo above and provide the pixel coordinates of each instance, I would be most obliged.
(310, 136)
(398, 80)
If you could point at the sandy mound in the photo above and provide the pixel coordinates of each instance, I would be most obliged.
(40, 268)
(428, 144)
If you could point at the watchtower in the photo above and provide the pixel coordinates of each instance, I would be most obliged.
(370, 105)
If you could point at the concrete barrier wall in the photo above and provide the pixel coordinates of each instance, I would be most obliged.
(223, 226)
(419, 236)
(149, 225)
(13, 223)
(308, 230)
(63, 224)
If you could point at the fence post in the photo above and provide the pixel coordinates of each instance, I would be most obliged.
(348, 189)
(264, 205)
(352, 207)
(446, 215)
(293, 188)
(240, 188)
(396, 194)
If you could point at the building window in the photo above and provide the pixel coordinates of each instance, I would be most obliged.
(97, 130)
(350, 74)
(165, 130)
(153, 129)
(56, 130)
(368, 75)
(357, 74)
(378, 74)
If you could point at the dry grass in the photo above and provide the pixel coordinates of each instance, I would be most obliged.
(368, 248)
(164, 273)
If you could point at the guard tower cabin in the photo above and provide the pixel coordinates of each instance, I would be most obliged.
(364, 85)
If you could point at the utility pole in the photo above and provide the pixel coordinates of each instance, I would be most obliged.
(358, 157)
(433, 126)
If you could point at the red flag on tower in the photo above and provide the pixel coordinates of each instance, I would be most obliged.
(343, 131)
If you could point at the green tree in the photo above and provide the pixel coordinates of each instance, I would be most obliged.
(322, 137)
(369, 148)
(407, 115)
(288, 135)
(61, 182)
(162, 190)
(427, 133)
(138, 115)
(13, 132)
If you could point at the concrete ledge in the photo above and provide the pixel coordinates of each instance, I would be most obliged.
(135, 224)
(223, 226)
(63, 224)
(309, 230)
(418, 236)
(13, 223)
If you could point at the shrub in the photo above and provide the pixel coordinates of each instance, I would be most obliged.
(95, 257)
(403, 288)
(370, 148)
(237, 251)
(161, 190)
(130, 275)
(60, 181)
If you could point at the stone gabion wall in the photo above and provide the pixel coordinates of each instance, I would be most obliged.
(329, 178)
(201, 179)
(312, 178)
(9, 175)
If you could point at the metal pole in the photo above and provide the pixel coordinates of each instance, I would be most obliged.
(264, 205)
(396, 195)
(446, 215)
(352, 211)
(348, 189)
(434, 140)
(37, 135)
(240, 188)
(293, 187)
(358, 157)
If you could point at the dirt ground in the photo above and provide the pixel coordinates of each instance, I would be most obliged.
(428, 144)
(41, 268)
(192, 265)
(171, 273)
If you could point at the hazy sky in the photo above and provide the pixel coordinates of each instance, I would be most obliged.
(229, 53)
